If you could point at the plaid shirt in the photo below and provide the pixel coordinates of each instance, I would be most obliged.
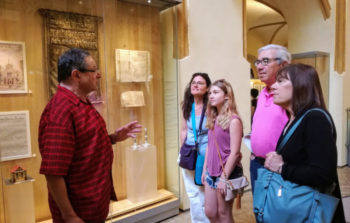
(74, 144)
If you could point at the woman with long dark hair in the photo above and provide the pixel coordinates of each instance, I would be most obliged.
(193, 105)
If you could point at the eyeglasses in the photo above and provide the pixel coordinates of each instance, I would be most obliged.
(197, 83)
(265, 61)
(83, 70)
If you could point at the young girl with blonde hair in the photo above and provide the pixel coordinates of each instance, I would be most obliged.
(224, 137)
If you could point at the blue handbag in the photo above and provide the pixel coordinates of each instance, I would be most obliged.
(199, 170)
(279, 200)
(200, 158)
(189, 153)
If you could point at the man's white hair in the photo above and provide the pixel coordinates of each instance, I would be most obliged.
(281, 52)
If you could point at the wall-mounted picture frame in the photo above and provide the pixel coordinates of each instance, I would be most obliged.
(13, 70)
(15, 140)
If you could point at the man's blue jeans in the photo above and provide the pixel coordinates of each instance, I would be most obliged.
(254, 166)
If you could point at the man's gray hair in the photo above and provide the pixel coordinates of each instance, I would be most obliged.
(281, 52)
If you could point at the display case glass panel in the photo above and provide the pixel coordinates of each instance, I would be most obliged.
(133, 45)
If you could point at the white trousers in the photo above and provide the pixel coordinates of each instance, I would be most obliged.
(196, 196)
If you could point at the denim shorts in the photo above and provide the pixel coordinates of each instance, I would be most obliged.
(213, 181)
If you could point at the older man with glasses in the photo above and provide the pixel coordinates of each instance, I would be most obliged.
(269, 119)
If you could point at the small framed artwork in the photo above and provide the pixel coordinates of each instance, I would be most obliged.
(13, 71)
(14, 135)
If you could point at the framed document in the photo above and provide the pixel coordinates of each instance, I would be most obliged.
(14, 135)
(132, 65)
(13, 71)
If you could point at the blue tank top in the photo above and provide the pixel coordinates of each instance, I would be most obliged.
(202, 137)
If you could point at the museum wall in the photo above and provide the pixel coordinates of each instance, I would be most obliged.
(123, 26)
(216, 47)
(309, 31)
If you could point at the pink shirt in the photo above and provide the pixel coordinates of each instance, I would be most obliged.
(268, 123)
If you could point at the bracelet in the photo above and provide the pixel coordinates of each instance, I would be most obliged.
(222, 179)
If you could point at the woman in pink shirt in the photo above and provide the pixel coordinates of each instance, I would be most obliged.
(224, 137)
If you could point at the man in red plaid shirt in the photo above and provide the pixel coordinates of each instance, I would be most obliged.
(75, 147)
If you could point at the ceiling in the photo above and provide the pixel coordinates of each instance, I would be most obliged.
(266, 23)
(161, 4)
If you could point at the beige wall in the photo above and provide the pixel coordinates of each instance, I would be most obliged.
(308, 31)
(253, 44)
(216, 47)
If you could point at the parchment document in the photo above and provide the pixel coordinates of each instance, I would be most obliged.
(14, 135)
(132, 65)
(132, 99)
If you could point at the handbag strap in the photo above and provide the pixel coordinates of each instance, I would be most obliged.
(291, 131)
(217, 149)
(193, 116)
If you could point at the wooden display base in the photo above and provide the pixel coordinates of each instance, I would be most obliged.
(163, 206)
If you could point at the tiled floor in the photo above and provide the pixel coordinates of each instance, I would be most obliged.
(245, 214)
(344, 180)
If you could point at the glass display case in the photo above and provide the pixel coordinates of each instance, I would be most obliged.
(133, 43)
